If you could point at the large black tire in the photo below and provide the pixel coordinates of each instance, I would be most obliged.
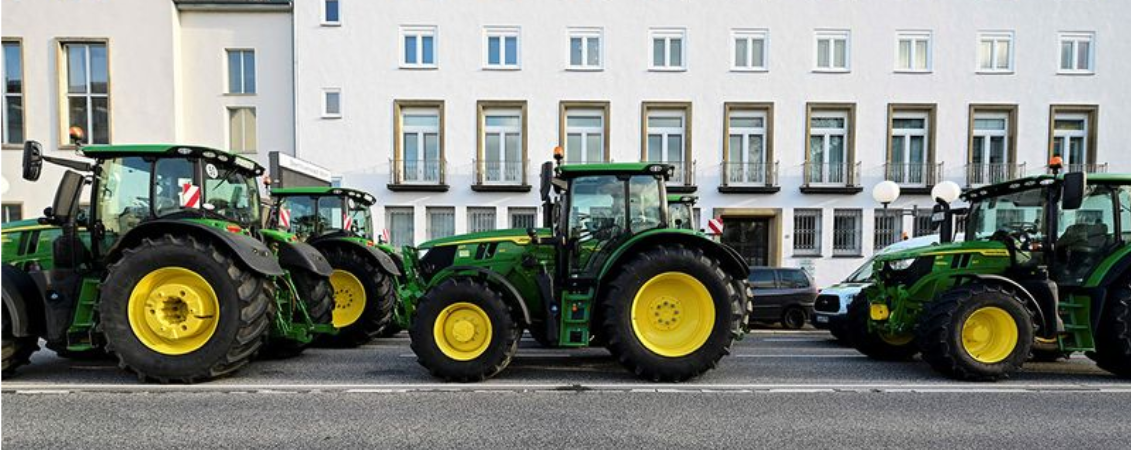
(379, 298)
(16, 350)
(500, 349)
(940, 332)
(620, 294)
(1113, 338)
(870, 343)
(318, 296)
(243, 297)
(794, 318)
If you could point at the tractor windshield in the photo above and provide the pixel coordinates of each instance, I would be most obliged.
(681, 215)
(360, 218)
(230, 193)
(606, 208)
(1016, 212)
(298, 215)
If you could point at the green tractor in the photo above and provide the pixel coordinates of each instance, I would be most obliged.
(337, 222)
(169, 270)
(1046, 263)
(608, 268)
(681, 211)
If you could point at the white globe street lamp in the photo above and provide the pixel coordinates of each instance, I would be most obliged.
(947, 191)
(885, 192)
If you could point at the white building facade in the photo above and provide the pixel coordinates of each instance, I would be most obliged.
(781, 115)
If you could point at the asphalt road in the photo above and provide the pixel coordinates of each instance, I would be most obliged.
(788, 390)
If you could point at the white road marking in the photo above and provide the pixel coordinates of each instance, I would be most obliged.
(796, 340)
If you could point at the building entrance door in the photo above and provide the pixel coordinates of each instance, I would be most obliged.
(750, 236)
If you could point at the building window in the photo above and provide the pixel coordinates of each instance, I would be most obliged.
(88, 90)
(1073, 137)
(502, 150)
(419, 152)
(585, 49)
(749, 50)
(666, 138)
(331, 103)
(400, 221)
(847, 224)
(746, 152)
(418, 45)
(832, 51)
(830, 155)
(807, 232)
(13, 95)
(480, 219)
(441, 222)
(241, 71)
(503, 48)
(668, 49)
(585, 127)
(924, 225)
(331, 13)
(13, 212)
(909, 155)
(995, 52)
(913, 51)
(888, 227)
(242, 130)
(1076, 52)
(991, 146)
(523, 217)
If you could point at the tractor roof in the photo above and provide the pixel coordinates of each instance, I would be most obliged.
(634, 168)
(679, 198)
(170, 150)
(1029, 182)
(312, 191)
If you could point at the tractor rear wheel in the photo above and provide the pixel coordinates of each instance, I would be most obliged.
(1113, 338)
(976, 332)
(16, 350)
(464, 331)
(878, 346)
(318, 296)
(180, 309)
(671, 313)
(363, 298)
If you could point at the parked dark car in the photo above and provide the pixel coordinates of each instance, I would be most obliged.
(783, 295)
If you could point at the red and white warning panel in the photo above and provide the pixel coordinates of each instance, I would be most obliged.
(285, 218)
(190, 196)
(715, 226)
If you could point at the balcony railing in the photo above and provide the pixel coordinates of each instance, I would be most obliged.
(500, 173)
(683, 173)
(1089, 168)
(983, 174)
(913, 174)
(831, 174)
(737, 174)
(418, 171)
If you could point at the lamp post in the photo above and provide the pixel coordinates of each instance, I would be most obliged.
(944, 193)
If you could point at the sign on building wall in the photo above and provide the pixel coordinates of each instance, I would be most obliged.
(288, 171)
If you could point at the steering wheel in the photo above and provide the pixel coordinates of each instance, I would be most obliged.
(1015, 239)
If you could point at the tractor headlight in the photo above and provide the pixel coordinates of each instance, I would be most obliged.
(901, 264)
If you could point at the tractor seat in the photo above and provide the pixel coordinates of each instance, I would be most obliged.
(1083, 237)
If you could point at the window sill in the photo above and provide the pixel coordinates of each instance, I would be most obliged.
(331, 117)
(331, 24)
(239, 94)
(821, 70)
(502, 68)
(749, 189)
(844, 190)
(12, 147)
(417, 187)
(1075, 73)
(684, 189)
(584, 69)
(856, 256)
(915, 190)
(994, 72)
(913, 71)
(750, 69)
(500, 187)
(807, 255)
(667, 69)
(419, 67)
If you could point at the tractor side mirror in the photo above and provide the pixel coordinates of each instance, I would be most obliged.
(1072, 190)
(66, 204)
(547, 179)
(33, 160)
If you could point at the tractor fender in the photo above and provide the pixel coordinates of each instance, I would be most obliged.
(728, 258)
(304, 256)
(492, 277)
(1026, 296)
(23, 302)
(247, 249)
(377, 255)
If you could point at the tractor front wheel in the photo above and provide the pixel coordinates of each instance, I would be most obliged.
(464, 331)
(363, 298)
(1113, 338)
(180, 309)
(317, 296)
(671, 313)
(976, 333)
(873, 344)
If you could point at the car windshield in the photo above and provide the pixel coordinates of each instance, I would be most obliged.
(1013, 212)
(231, 194)
(863, 274)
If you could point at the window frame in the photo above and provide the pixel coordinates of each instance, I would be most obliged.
(669, 109)
(832, 35)
(19, 42)
(1075, 38)
(513, 211)
(326, 114)
(399, 109)
(418, 32)
(896, 232)
(928, 112)
(18, 205)
(232, 110)
(322, 14)
(994, 37)
(585, 33)
(429, 211)
(982, 110)
(410, 211)
(749, 35)
(228, 71)
(482, 109)
(914, 36)
(667, 34)
(1090, 114)
(817, 232)
(848, 112)
(63, 119)
(502, 32)
(858, 232)
(472, 211)
(564, 108)
(751, 109)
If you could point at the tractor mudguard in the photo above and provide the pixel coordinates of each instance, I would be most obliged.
(304, 256)
(1025, 295)
(730, 260)
(247, 249)
(23, 301)
(383, 260)
(493, 277)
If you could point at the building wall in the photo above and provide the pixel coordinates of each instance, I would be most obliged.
(361, 58)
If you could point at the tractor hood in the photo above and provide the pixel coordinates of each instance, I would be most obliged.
(518, 236)
(984, 247)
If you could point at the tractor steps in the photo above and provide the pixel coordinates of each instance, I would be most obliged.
(1076, 314)
(575, 314)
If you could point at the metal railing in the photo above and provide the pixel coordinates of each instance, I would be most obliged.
(913, 174)
(1089, 168)
(983, 174)
(495, 172)
(683, 173)
(749, 174)
(418, 171)
(831, 174)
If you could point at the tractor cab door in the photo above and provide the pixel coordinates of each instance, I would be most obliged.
(606, 210)
(133, 189)
(1087, 235)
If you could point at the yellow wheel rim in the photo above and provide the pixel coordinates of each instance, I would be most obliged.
(989, 335)
(349, 298)
(673, 314)
(173, 311)
(462, 331)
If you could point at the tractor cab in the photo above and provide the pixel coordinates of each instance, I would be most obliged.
(681, 211)
(322, 211)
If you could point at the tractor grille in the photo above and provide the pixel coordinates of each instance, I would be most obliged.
(827, 303)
